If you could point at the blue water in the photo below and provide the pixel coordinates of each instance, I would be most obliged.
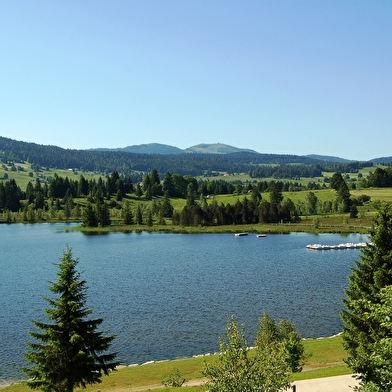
(168, 295)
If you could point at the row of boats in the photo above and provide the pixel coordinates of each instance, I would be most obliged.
(347, 245)
(243, 234)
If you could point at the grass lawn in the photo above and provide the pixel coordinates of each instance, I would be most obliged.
(325, 360)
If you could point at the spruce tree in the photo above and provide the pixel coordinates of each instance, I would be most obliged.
(372, 274)
(69, 352)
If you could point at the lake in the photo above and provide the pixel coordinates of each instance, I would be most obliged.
(168, 295)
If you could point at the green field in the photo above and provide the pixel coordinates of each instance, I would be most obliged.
(23, 173)
(325, 360)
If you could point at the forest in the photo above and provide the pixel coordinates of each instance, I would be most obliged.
(97, 202)
(126, 163)
(144, 188)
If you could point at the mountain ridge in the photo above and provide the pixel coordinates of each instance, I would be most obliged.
(204, 158)
(165, 149)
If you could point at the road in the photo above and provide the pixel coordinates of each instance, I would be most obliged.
(327, 384)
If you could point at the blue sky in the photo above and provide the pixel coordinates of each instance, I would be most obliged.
(281, 77)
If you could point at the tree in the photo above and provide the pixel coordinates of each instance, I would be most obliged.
(89, 216)
(138, 191)
(12, 195)
(166, 208)
(361, 333)
(343, 197)
(139, 215)
(336, 180)
(126, 213)
(103, 214)
(311, 201)
(237, 369)
(282, 333)
(354, 211)
(381, 355)
(70, 352)
(275, 193)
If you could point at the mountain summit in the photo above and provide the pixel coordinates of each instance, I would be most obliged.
(164, 149)
(216, 148)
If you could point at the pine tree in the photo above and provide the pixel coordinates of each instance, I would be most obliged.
(69, 352)
(89, 216)
(372, 274)
(126, 213)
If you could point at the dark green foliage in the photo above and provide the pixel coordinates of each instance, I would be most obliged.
(98, 215)
(89, 216)
(381, 177)
(103, 214)
(69, 352)
(311, 200)
(380, 358)
(336, 181)
(139, 215)
(286, 171)
(166, 209)
(10, 195)
(126, 213)
(343, 197)
(275, 192)
(370, 276)
(354, 211)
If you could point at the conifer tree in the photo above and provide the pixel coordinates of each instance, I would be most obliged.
(372, 274)
(69, 352)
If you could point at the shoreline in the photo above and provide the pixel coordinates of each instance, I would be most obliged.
(8, 382)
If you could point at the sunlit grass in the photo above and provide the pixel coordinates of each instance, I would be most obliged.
(325, 359)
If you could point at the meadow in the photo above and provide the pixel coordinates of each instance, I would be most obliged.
(24, 173)
(325, 359)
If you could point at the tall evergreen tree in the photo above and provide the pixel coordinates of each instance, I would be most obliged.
(103, 214)
(166, 207)
(336, 180)
(70, 352)
(139, 215)
(89, 216)
(275, 192)
(372, 274)
(343, 197)
(126, 213)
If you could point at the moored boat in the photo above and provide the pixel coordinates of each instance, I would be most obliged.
(347, 245)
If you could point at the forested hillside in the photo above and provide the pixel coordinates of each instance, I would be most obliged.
(257, 165)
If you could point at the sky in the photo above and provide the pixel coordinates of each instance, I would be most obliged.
(279, 77)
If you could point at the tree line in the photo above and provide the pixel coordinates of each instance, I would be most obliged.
(128, 163)
(113, 196)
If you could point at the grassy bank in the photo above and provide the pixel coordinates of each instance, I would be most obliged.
(325, 360)
(328, 225)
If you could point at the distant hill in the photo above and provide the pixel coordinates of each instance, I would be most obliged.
(150, 148)
(384, 160)
(328, 158)
(164, 149)
(195, 161)
(216, 148)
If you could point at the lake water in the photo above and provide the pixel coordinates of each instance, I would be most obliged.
(168, 295)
